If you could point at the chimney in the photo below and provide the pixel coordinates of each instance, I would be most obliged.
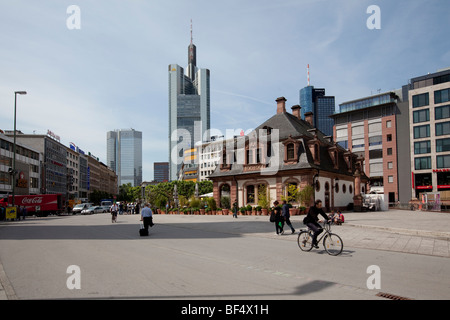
(309, 118)
(296, 111)
(281, 105)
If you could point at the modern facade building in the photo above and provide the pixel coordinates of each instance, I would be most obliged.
(368, 127)
(161, 171)
(429, 120)
(28, 166)
(54, 163)
(322, 106)
(189, 109)
(209, 157)
(124, 155)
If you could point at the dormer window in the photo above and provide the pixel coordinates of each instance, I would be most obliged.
(291, 148)
(290, 151)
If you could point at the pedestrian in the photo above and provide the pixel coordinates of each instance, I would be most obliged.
(279, 220)
(147, 216)
(311, 220)
(114, 209)
(235, 209)
(137, 208)
(24, 212)
(286, 215)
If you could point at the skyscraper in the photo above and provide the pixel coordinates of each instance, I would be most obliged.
(189, 108)
(161, 171)
(124, 155)
(322, 106)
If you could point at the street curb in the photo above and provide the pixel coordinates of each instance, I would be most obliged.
(9, 293)
(412, 232)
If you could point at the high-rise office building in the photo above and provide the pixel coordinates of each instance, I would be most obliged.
(322, 106)
(124, 155)
(161, 171)
(189, 109)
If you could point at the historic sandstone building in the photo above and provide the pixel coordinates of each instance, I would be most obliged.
(287, 150)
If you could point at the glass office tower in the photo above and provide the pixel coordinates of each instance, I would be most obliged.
(322, 106)
(124, 155)
(189, 109)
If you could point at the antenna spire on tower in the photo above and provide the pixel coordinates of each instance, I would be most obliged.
(191, 32)
(308, 74)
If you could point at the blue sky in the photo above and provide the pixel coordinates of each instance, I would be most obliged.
(112, 73)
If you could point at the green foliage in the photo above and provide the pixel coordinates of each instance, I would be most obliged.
(306, 194)
(292, 193)
(263, 199)
(211, 203)
(194, 203)
(225, 202)
(163, 192)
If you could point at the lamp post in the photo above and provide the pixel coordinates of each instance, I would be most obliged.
(14, 146)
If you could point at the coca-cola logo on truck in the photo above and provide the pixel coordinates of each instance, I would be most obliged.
(32, 200)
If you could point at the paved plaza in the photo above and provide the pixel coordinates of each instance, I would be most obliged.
(417, 233)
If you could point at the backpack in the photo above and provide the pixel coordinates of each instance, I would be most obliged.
(341, 217)
(272, 216)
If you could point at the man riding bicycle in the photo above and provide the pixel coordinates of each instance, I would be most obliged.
(311, 220)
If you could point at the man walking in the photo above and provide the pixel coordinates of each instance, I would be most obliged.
(147, 217)
(286, 215)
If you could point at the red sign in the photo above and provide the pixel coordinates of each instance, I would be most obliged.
(441, 170)
(424, 187)
(443, 187)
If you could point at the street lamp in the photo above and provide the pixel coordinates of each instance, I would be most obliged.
(14, 146)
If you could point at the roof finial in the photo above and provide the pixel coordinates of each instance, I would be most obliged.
(191, 32)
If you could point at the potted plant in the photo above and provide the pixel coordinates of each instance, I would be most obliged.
(242, 211)
(263, 200)
(219, 211)
(305, 196)
(258, 210)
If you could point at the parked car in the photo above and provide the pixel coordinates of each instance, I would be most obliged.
(91, 210)
(105, 208)
(80, 207)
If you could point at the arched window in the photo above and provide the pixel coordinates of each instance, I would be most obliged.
(251, 194)
(225, 190)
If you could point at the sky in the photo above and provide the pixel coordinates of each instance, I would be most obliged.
(111, 70)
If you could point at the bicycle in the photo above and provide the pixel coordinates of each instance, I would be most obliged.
(113, 217)
(331, 242)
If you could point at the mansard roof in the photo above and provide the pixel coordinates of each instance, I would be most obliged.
(291, 127)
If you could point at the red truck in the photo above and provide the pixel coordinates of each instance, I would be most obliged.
(40, 205)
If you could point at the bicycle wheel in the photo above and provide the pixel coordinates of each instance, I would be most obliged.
(333, 244)
(304, 241)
